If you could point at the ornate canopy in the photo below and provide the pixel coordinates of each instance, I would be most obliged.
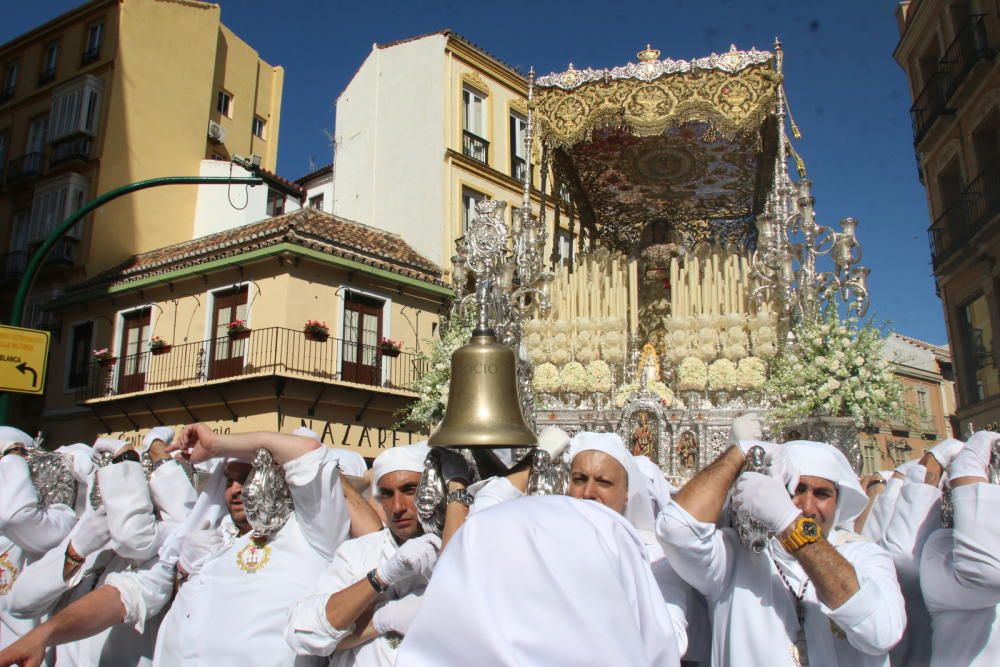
(688, 142)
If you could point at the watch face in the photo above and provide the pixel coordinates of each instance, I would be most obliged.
(810, 528)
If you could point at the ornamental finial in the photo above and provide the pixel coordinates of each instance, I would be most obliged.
(648, 54)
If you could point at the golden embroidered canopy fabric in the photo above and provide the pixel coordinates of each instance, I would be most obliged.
(671, 140)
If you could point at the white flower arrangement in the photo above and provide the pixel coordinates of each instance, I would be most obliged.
(692, 374)
(734, 352)
(733, 320)
(836, 368)
(559, 355)
(586, 354)
(708, 336)
(705, 320)
(562, 327)
(734, 336)
(706, 352)
(534, 326)
(537, 355)
(613, 354)
(751, 373)
(599, 377)
(573, 377)
(432, 386)
(765, 351)
(546, 379)
(722, 375)
(533, 339)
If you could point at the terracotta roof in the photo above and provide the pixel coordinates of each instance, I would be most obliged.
(943, 349)
(307, 227)
(283, 183)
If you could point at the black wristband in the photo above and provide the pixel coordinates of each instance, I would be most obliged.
(376, 582)
(874, 482)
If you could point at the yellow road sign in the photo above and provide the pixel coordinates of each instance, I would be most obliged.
(24, 354)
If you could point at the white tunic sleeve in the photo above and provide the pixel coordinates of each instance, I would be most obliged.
(34, 528)
(874, 618)
(131, 521)
(39, 587)
(144, 592)
(701, 553)
(308, 630)
(960, 568)
(916, 515)
(320, 507)
(675, 597)
(494, 492)
(172, 493)
(882, 510)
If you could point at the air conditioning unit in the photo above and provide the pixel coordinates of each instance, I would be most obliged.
(216, 132)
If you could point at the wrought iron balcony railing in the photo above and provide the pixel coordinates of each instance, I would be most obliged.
(975, 208)
(929, 105)
(969, 47)
(260, 352)
(25, 168)
(63, 253)
(475, 146)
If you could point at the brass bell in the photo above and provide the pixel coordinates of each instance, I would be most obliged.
(483, 407)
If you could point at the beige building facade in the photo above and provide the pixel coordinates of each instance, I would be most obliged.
(948, 51)
(173, 355)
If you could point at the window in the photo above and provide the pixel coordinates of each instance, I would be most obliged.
(275, 203)
(75, 108)
(565, 247)
(224, 104)
(227, 351)
(924, 408)
(898, 451)
(518, 156)
(362, 356)
(469, 200)
(53, 202)
(980, 371)
(49, 59)
(869, 457)
(316, 202)
(9, 82)
(93, 50)
(81, 339)
(17, 258)
(4, 138)
(258, 127)
(473, 125)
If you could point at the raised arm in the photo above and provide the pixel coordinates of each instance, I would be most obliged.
(34, 528)
(200, 443)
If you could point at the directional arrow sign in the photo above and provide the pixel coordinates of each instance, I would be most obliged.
(24, 354)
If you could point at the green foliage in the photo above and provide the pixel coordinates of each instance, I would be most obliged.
(433, 385)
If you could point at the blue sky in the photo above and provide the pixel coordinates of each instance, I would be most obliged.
(848, 96)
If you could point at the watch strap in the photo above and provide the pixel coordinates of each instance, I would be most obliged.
(806, 531)
(376, 582)
(460, 496)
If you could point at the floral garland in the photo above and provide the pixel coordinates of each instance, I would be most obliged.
(661, 390)
(751, 373)
(433, 385)
(598, 377)
(573, 377)
(692, 374)
(546, 379)
(836, 368)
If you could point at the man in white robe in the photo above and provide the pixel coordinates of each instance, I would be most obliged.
(816, 592)
(27, 528)
(960, 566)
(371, 591)
(916, 514)
(113, 538)
(233, 609)
(542, 581)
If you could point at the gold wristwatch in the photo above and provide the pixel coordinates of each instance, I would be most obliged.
(805, 531)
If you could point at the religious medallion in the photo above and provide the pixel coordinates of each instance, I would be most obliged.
(254, 556)
(8, 574)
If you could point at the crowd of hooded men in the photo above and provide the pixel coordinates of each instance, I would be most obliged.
(623, 570)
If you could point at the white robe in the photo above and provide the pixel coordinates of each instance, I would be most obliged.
(753, 612)
(27, 531)
(132, 524)
(542, 581)
(224, 615)
(960, 578)
(917, 513)
(309, 632)
(881, 512)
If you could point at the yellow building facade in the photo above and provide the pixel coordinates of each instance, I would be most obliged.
(948, 53)
(101, 97)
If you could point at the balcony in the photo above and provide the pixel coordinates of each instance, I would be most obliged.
(25, 168)
(47, 76)
(518, 167)
(975, 208)
(90, 55)
(475, 146)
(6, 94)
(265, 352)
(71, 148)
(929, 105)
(968, 48)
(63, 254)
